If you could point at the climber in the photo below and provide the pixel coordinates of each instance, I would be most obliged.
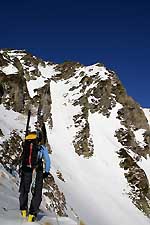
(32, 166)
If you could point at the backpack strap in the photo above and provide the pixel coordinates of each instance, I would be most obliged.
(30, 154)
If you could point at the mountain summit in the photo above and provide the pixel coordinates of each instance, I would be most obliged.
(97, 135)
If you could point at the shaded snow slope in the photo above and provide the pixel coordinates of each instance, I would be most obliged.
(9, 205)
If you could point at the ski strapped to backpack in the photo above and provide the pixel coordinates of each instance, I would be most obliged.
(28, 121)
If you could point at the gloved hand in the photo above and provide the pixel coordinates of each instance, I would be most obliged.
(45, 175)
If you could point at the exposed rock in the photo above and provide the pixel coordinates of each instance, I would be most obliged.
(3, 61)
(137, 180)
(15, 92)
(1, 133)
(1, 92)
(131, 115)
(10, 150)
(57, 198)
(67, 69)
(60, 176)
(43, 100)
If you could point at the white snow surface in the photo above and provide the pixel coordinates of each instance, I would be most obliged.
(15, 53)
(139, 137)
(147, 114)
(10, 120)
(94, 69)
(10, 69)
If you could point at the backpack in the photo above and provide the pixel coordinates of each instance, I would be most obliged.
(31, 148)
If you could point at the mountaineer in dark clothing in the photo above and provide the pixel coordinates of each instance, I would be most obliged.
(32, 166)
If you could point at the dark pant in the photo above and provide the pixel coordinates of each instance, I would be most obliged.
(26, 180)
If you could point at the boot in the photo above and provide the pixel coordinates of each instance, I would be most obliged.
(31, 218)
(24, 213)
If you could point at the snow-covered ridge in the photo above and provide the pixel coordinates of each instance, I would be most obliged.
(83, 105)
(39, 72)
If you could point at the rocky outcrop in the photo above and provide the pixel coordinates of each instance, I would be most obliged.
(1, 133)
(133, 118)
(67, 70)
(15, 92)
(57, 198)
(10, 150)
(137, 181)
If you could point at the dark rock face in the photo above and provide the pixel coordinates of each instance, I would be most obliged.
(11, 150)
(15, 92)
(1, 92)
(137, 181)
(3, 61)
(94, 94)
(1, 133)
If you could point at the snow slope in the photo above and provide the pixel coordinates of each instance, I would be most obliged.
(95, 187)
(9, 206)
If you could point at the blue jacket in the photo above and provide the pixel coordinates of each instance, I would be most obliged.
(43, 154)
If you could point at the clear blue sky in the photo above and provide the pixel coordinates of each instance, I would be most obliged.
(116, 33)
